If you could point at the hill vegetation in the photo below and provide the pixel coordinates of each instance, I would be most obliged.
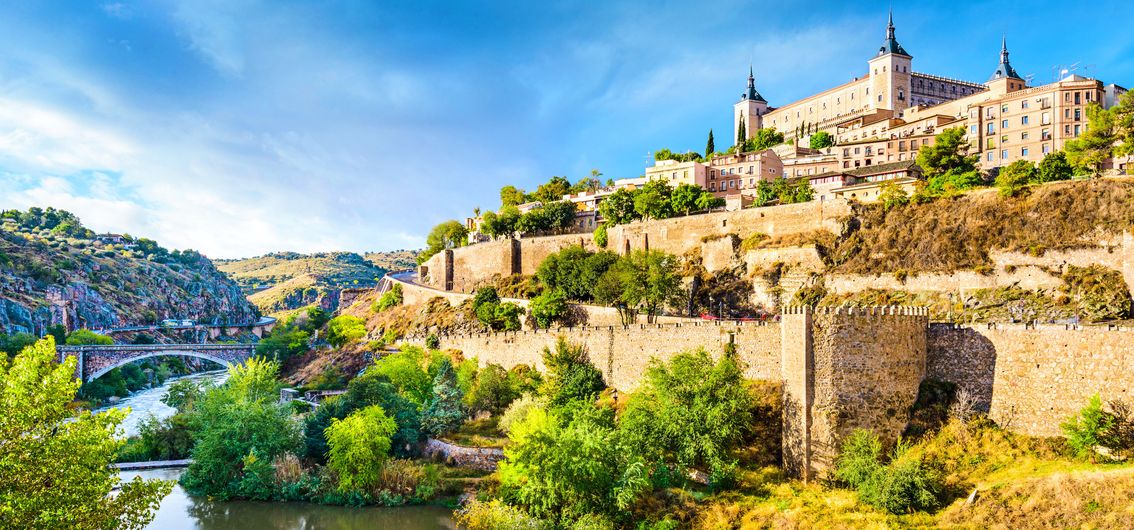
(286, 281)
(53, 270)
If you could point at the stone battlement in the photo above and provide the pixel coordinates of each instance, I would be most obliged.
(857, 311)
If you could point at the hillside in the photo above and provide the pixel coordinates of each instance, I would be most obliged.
(55, 271)
(393, 260)
(285, 281)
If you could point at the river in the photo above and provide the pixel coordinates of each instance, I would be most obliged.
(180, 511)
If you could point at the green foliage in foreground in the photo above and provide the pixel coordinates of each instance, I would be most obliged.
(359, 445)
(239, 427)
(903, 485)
(54, 467)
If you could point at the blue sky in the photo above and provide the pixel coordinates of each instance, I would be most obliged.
(239, 128)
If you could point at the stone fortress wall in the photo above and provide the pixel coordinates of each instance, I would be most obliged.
(848, 368)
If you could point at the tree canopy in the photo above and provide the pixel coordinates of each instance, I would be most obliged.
(54, 466)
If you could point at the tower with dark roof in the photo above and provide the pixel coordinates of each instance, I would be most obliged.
(890, 73)
(1005, 79)
(1004, 70)
(750, 109)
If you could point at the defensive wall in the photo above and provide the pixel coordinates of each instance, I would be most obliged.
(847, 368)
(1032, 378)
(716, 235)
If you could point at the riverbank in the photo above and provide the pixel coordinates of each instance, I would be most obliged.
(180, 511)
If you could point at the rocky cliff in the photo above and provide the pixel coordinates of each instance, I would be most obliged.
(54, 271)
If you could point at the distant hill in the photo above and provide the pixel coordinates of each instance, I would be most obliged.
(284, 281)
(53, 270)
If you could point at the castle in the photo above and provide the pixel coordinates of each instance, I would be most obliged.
(880, 120)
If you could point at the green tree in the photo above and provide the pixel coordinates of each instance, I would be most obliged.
(710, 145)
(492, 392)
(707, 201)
(892, 195)
(447, 235)
(374, 387)
(574, 270)
(1123, 114)
(684, 198)
(560, 215)
(82, 337)
(566, 464)
(393, 297)
(765, 194)
(763, 139)
(646, 280)
(553, 190)
(653, 200)
(240, 419)
(345, 329)
(511, 196)
(444, 413)
(1015, 176)
(618, 207)
(570, 374)
(949, 153)
(1092, 427)
(822, 140)
(1053, 167)
(741, 134)
(358, 447)
(691, 412)
(55, 465)
(1091, 150)
(182, 394)
(548, 307)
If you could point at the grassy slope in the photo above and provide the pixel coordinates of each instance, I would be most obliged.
(285, 281)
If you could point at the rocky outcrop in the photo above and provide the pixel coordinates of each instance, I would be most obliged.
(47, 279)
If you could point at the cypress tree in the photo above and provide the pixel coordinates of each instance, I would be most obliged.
(710, 147)
(444, 414)
(741, 134)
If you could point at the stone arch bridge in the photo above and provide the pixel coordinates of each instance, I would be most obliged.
(94, 361)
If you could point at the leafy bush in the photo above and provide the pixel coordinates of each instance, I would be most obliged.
(1015, 176)
(495, 515)
(904, 485)
(370, 388)
(518, 410)
(492, 392)
(345, 329)
(549, 307)
(82, 337)
(689, 413)
(391, 298)
(433, 341)
(601, 236)
(232, 420)
(1092, 427)
(570, 374)
(358, 447)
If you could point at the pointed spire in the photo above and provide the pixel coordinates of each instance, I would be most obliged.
(890, 45)
(750, 92)
(1005, 68)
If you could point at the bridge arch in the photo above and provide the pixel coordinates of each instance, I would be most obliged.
(96, 360)
(168, 353)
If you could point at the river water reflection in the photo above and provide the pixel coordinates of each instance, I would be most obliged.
(181, 512)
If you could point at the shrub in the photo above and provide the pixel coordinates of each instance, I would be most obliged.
(902, 486)
(358, 447)
(82, 337)
(549, 307)
(495, 515)
(518, 410)
(600, 236)
(1013, 178)
(345, 329)
(391, 298)
(433, 341)
(491, 392)
(1092, 427)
